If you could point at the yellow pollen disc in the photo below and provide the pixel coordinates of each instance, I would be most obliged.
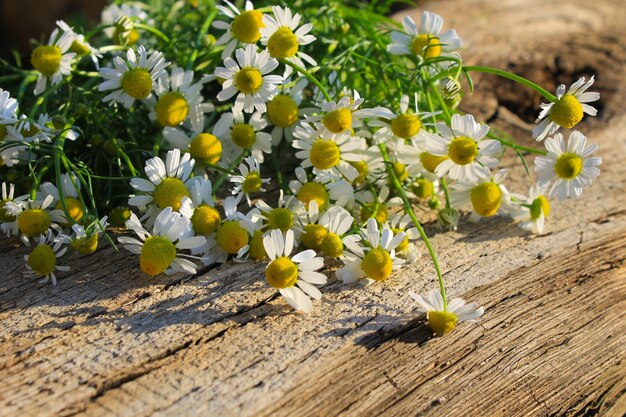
(325, 154)
(422, 188)
(257, 250)
(401, 172)
(74, 208)
(42, 260)
(205, 219)
(338, 120)
(79, 48)
(170, 193)
(381, 214)
(363, 170)
(313, 236)
(332, 245)
(171, 109)
(243, 135)
(442, 322)
(283, 43)
(33, 222)
(463, 150)
(377, 264)
(157, 255)
(137, 83)
(568, 166)
(86, 245)
(539, 205)
(430, 161)
(119, 215)
(4, 216)
(122, 36)
(206, 148)
(245, 26)
(282, 111)
(314, 191)
(46, 59)
(404, 245)
(252, 183)
(486, 198)
(426, 45)
(280, 218)
(406, 126)
(281, 273)
(248, 80)
(231, 236)
(567, 111)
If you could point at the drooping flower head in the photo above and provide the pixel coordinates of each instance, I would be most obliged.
(41, 262)
(443, 320)
(427, 41)
(52, 61)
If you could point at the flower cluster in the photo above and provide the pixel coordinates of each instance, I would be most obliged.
(246, 142)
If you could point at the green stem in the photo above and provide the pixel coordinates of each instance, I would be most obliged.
(154, 31)
(517, 147)
(444, 186)
(408, 208)
(230, 168)
(198, 42)
(308, 75)
(505, 74)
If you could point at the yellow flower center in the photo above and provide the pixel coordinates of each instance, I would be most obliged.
(170, 193)
(426, 45)
(157, 255)
(566, 111)
(430, 161)
(313, 236)
(406, 125)
(369, 210)
(79, 48)
(363, 170)
(246, 26)
(486, 198)
(119, 215)
(137, 83)
(401, 172)
(33, 222)
(283, 43)
(74, 208)
(281, 273)
(42, 260)
(332, 245)
(86, 245)
(338, 120)
(404, 245)
(462, 150)
(568, 166)
(205, 219)
(252, 183)
(442, 322)
(257, 250)
(377, 264)
(280, 218)
(282, 111)
(423, 188)
(538, 206)
(123, 36)
(325, 154)
(248, 80)
(46, 59)
(171, 109)
(314, 191)
(206, 148)
(4, 216)
(243, 135)
(231, 236)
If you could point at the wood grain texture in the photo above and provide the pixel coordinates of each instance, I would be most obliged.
(110, 341)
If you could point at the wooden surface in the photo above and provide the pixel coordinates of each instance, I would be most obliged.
(110, 341)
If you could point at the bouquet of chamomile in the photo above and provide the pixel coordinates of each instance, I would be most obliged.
(293, 134)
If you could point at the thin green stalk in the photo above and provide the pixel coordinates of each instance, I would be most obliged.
(308, 75)
(444, 186)
(232, 166)
(505, 74)
(154, 31)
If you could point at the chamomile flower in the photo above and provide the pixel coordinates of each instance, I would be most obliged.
(487, 196)
(204, 148)
(286, 215)
(324, 189)
(336, 222)
(233, 234)
(338, 117)
(370, 165)
(332, 153)
(443, 320)
(568, 167)
(427, 41)
(284, 111)
(407, 248)
(283, 40)
(42, 261)
(568, 109)
(8, 111)
(374, 262)
(237, 134)
(121, 18)
(80, 46)
(53, 60)
(84, 240)
(375, 205)
(404, 125)
(249, 77)
(35, 131)
(249, 181)
(244, 28)
(415, 154)
(71, 188)
(134, 78)
(467, 151)
(159, 251)
(8, 222)
(167, 183)
(295, 276)
(531, 212)
(200, 208)
(34, 217)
